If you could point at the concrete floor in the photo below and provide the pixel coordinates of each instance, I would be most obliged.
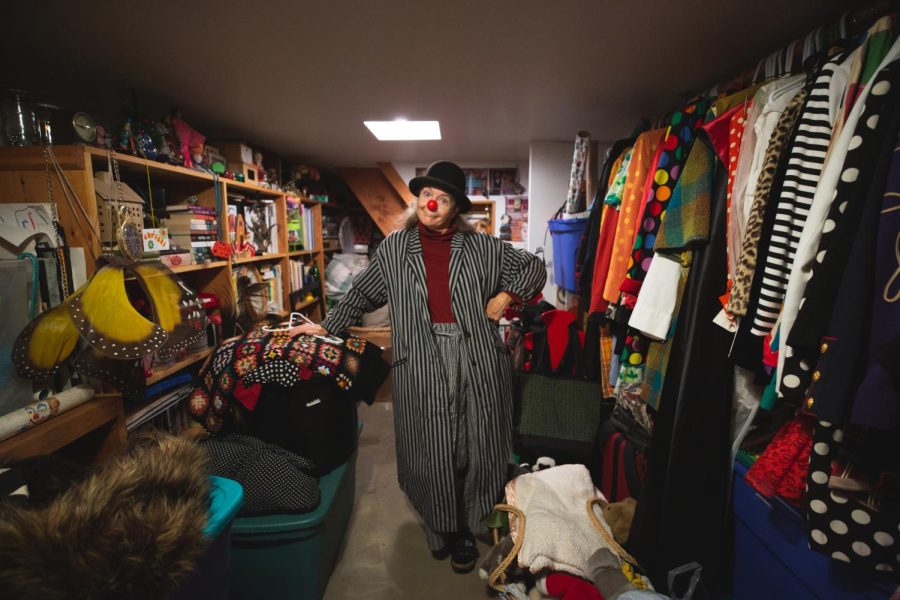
(385, 555)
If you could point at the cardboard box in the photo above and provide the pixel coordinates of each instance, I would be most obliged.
(248, 170)
(236, 152)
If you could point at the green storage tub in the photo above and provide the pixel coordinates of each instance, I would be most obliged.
(292, 556)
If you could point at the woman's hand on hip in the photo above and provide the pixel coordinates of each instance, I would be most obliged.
(308, 329)
(497, 305)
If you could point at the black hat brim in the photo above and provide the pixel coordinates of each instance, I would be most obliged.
(462, 201)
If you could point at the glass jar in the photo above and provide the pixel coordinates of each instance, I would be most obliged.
(19, 119)
(48, 119)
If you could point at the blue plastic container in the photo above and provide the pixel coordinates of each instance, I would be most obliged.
(211, 576)
(566, 235)
(772, 558)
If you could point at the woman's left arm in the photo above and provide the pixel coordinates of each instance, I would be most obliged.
(522, 274)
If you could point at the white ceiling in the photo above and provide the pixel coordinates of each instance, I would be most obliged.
(300, 77)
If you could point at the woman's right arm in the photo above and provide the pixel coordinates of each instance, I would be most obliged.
(368, 292)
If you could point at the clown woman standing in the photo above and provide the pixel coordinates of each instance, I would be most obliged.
(452, 387)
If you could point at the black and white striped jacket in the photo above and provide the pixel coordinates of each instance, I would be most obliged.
(481, 266)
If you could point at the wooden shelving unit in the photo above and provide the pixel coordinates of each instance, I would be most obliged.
(161, 373)
(305, 304)
(218, 264)
(23, 179)
(260, 258)
(101, 416)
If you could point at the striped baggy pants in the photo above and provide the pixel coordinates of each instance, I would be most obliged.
(451, 349)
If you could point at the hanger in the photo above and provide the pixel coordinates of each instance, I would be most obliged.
(290, 324)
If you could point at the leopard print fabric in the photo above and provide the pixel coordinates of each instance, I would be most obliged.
(746, 266)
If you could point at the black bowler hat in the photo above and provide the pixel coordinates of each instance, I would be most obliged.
(445, 176)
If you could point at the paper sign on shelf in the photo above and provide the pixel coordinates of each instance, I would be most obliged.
(20, 222)
(156, 239)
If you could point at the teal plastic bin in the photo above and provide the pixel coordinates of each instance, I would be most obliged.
(292, 556)
(210, 577)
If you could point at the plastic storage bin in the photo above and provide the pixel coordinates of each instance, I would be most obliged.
(210, 580)
(773, 560)
(566, 235)
(292, 556)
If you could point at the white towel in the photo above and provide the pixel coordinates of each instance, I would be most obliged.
(559, 534)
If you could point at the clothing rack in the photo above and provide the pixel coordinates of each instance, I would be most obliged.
(791, 58)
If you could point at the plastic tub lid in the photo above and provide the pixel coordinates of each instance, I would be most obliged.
(226, 498)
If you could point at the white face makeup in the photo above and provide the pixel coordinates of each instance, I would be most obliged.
(435, 208)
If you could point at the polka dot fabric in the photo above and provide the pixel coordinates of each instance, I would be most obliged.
(844, 525)
(838, 231)
(275, 480)
(676, 146)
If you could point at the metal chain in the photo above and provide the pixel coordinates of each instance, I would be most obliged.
(53, 211)
(54, 214)
(119, 198)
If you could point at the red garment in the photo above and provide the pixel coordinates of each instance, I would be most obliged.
(608, 224)
(436, 253)
(569, 587)
(783, 466)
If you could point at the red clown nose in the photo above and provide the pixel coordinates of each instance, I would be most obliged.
(432, 205)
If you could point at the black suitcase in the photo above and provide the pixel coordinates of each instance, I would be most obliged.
(315, 419)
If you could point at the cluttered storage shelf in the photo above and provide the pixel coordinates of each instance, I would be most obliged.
(187, 361)
(260, 258)
(220, 237)
(101, 418)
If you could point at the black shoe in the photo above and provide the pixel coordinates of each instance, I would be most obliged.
(464, 553)
(441, 554)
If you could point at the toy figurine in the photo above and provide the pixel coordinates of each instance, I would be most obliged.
(242, 246)
(260, 170)
(104, 139)
(190, 140)
(126, 138)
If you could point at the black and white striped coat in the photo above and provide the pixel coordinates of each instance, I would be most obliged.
(481, 266)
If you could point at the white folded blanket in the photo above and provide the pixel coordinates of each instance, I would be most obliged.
(558, 532)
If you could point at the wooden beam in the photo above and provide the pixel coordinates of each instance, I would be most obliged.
(400, 186)
(31, 158)
(377, 195)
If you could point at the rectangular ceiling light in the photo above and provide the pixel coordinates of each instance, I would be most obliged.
(404, 130)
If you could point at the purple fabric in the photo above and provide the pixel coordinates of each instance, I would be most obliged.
(877, 402)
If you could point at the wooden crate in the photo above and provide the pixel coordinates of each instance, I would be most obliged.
(248, 170)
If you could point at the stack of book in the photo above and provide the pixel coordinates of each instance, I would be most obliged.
(195, 229)
(167, 411)
(299, 274)
(300, 226)
(271, 276)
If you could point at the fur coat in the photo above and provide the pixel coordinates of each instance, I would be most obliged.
(133, 528)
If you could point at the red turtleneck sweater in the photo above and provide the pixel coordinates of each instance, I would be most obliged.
(436, 254)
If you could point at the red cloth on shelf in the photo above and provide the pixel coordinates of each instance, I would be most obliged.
(782, 467)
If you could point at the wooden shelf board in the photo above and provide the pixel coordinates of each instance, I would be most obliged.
(61, 430)
(306, 304)
(127, 161)
(217, 264)
(160, 374)
(303, 252)
(250, 259)
(251, 187)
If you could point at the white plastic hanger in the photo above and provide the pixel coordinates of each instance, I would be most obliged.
(290, 324)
